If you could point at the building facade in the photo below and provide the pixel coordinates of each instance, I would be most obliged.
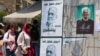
(15, 5)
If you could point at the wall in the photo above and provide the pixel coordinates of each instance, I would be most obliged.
(90, 46)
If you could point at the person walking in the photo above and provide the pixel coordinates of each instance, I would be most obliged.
(9, 40)
(24, 41)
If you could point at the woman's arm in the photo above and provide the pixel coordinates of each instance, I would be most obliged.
(6, 37)
(20, 41)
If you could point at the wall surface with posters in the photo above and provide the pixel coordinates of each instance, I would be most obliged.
(51, 28)
(51, 22)
(75, 46)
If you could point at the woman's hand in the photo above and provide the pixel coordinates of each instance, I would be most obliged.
(24, 49)
(12, 40)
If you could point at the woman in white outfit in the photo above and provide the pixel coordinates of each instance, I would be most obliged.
(24, 42)
(9, 40)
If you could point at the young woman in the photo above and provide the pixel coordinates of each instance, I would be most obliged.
(9, 40)
(24, 41)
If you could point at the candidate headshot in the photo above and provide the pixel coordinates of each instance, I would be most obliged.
(52, 15)
(51, 50)
(85, 25)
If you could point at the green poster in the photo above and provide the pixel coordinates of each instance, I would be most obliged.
(85, 19)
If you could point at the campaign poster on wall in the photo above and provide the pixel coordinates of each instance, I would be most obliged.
(50, 46)
(51, 22)
(97, 20)
(85, 19)
(74, 46)
(72, 39)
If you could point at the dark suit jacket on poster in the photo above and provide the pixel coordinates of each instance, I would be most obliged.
(85, 27)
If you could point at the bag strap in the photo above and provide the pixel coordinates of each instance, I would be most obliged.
(8, 36)
(24, 39)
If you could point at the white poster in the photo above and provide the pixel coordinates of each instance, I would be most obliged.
(50, 46)
(51, 22)
(74, 46)
(97, 20)
(72, 39)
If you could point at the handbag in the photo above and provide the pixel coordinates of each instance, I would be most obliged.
(18, 52)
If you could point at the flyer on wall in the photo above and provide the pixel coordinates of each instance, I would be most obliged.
(85, 19)
(97, 21)
(74, 46)
(50, 46)
(51, 22)
(72, 39)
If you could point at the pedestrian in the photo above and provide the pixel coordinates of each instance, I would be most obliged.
(35, 36)
(1, 30)
(24, 42)
(1, 37)
(9, 40)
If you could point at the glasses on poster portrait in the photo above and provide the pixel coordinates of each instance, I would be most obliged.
(52, 16)
(51, 50)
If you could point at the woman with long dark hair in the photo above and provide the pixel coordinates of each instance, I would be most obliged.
(9, 40)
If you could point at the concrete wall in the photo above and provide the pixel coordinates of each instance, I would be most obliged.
(89, 46)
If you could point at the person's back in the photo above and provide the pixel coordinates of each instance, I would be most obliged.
(35, 33)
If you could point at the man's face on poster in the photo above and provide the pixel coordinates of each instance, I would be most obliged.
(85, 13)
(51, 15)
(50, 51)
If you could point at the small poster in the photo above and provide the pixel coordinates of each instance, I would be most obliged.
(74, 46)
(50, 46)
(72, 39)
(85, 19)
(51, 22)
(97, 20)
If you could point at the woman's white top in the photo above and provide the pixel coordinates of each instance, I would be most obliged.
(8, 38)
(23, 40)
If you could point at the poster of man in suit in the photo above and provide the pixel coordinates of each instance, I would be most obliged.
(85, 19)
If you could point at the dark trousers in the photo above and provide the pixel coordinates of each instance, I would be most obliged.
(9, 53)
(36, 46)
